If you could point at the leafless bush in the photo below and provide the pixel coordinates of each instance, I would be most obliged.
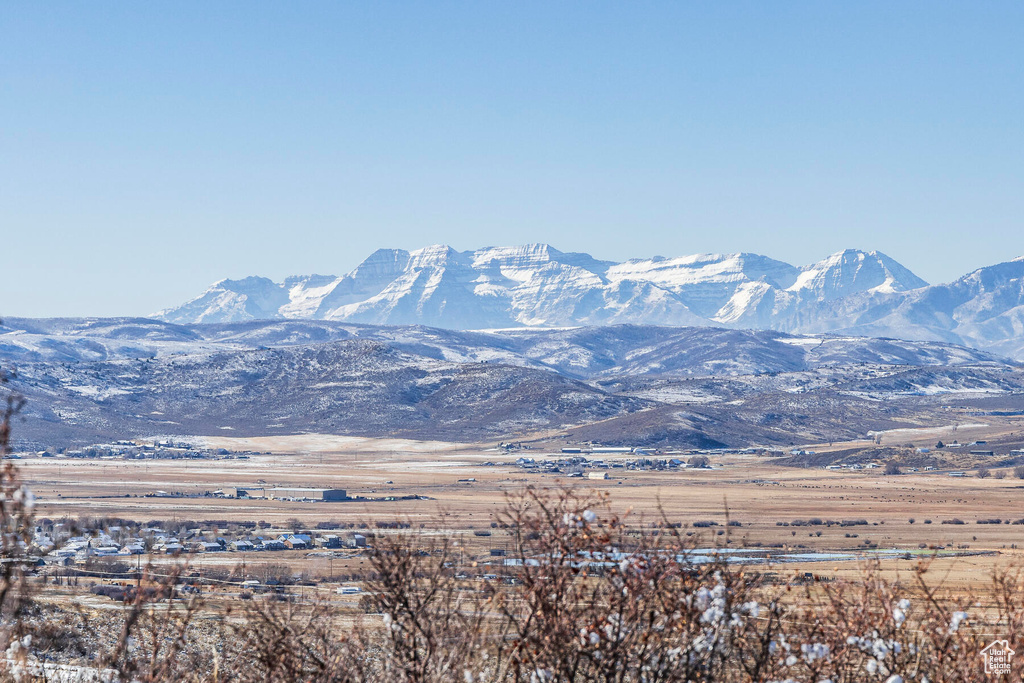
(279, 643)
(594, 602)
(16, 523)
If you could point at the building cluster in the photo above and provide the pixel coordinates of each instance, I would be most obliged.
(643, 450)
(283, 493)
(858, 466)
(163, 449)
(113, 543)
(581, 466)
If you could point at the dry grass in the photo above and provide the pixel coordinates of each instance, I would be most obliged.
(594, 598)
(640, 614)
(756, 494)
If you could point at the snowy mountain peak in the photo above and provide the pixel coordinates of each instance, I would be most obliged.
(227, 300)
(532, 256)
(538, 285)
(383, 260)
(253, 283)
(851, 272)
(851, 291)
(537, 251)
(436, 255)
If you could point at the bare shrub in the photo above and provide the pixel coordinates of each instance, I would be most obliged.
(16, 524)
(279, 643)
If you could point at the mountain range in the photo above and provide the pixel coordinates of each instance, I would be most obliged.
(90, 380)
(851, 292)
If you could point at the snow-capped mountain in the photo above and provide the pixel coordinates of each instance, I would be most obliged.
(815, 291)
(984, 309)
(538, 286)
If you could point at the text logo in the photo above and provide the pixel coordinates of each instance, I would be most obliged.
(997, 657)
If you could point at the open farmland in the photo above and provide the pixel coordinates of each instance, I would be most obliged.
(839, 514)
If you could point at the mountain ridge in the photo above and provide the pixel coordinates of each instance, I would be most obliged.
(536, 285)
(89, 380)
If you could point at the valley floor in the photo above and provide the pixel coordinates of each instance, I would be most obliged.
(799, 511)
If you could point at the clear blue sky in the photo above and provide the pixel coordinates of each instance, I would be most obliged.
(148, 149)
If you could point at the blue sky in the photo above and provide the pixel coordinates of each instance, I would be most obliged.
(148, 149)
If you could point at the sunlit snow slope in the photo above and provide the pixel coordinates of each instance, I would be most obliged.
(535, 285)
